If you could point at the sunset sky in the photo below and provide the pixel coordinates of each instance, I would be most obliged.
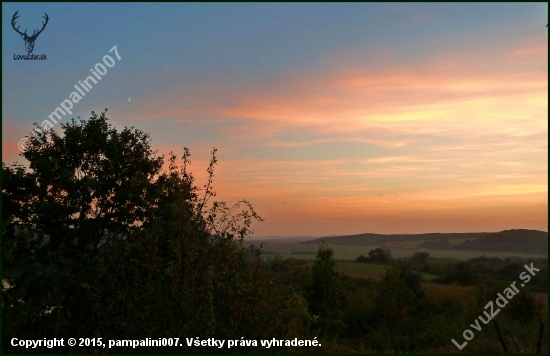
(330, 118)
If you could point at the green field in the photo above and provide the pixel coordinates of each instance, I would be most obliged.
(351, 252)
(367, 270)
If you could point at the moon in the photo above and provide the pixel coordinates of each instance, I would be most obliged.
(129, 99)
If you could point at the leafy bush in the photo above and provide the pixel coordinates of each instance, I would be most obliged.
(378, 255)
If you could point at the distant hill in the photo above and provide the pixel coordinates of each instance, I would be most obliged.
(280, 239)
(517, 240)
(525, 241)
(370, 239)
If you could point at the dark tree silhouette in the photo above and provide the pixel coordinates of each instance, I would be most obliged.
(99, 241)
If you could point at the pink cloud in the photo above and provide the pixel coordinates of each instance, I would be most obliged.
(399, 99)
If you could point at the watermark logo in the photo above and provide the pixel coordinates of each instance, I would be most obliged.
(29, 40)
(501, 301)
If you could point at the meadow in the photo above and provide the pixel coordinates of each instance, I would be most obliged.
(398, 248)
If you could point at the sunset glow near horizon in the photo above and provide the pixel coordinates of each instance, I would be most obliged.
(329, 118)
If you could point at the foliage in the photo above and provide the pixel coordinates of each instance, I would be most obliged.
(84, 190)
(99, 241)
(398, 303)
(419, 261)
(378, 255)
(386, 316)
(463, 273)
(277, 262)
(325, 294)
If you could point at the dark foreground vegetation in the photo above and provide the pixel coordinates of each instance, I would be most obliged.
(100, 241)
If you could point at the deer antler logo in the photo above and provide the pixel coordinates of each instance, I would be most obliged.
(29, 40)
